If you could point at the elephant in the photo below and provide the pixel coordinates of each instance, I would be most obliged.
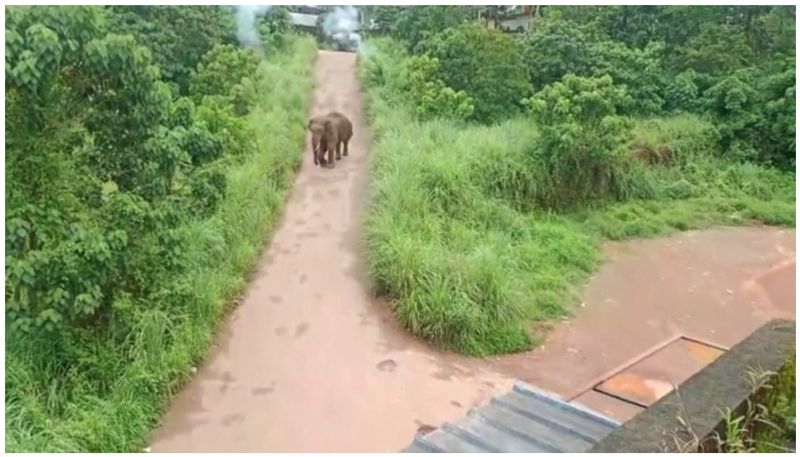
(328, 133)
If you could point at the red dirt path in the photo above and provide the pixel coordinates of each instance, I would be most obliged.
(715, 286)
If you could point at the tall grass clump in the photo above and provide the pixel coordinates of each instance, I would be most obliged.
(448, 238)
(476, 232)
(108, 398)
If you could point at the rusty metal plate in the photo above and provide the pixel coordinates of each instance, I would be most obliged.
(648, 380)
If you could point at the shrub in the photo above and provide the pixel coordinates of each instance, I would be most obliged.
(486, 64)
(178, 37)
(413, 25)
(580, 137)
(682, 92)
(274, 27)
(554, 49)
(638, 70)
(756, 114)
(223, 67)
(431, 97)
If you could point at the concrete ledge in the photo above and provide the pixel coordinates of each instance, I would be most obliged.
(702, 398)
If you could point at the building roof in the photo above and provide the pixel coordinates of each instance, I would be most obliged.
(304, 20)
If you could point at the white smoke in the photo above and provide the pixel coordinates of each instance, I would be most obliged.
(246, 30)
(341, 25)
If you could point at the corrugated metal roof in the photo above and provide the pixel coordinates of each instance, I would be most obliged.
(523, 420)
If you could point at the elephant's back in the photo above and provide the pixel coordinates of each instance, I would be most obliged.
(345, 127)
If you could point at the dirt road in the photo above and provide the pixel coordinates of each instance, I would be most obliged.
(715, 286)
(309, 362)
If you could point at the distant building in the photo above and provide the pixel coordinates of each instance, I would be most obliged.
(309, 9)
(305, 22)
(510, 18)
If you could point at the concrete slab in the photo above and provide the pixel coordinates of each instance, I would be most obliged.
(647, 381)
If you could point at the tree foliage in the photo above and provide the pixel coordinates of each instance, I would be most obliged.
(177, 37)
(486, 64)
(431, 97)
(733, 64)
(95, 206)
(222, 68)
(581, 135)
(413, 25)
(123, 127)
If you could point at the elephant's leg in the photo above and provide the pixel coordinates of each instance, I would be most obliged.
(345, 147)
(338, 150)
(331, 153)
(316, 157)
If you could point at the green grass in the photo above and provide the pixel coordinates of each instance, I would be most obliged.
(115, 394)
(780, 404)
(457, 237)
(768, 422)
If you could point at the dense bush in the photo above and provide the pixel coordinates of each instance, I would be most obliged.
(110, 179)
(755, 114)
(431, 97)
(580, 137)
(222, 68)
(484, 63)
(413, 25)
(668, 58)
(560, 47)
(734, 64)
(274, 26)
(177, 37)
(554, 49)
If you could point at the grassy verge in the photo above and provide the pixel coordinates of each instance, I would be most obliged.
(457, 239)
(113, 406)
(769, 423)
(779, 433)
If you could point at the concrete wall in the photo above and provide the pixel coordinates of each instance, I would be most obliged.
(699, 401)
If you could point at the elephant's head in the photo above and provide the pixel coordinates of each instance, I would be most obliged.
(317, 126)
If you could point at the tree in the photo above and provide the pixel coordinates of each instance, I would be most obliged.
(716, 50)
(554, 49)
(220, 69)
(430, 96)
(413, 25)
(177, 36)
(93, 206)
(559, 47)
(486, 64)
(580, 137)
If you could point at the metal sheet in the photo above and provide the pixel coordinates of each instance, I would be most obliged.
(612, 407)
(647, 381)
